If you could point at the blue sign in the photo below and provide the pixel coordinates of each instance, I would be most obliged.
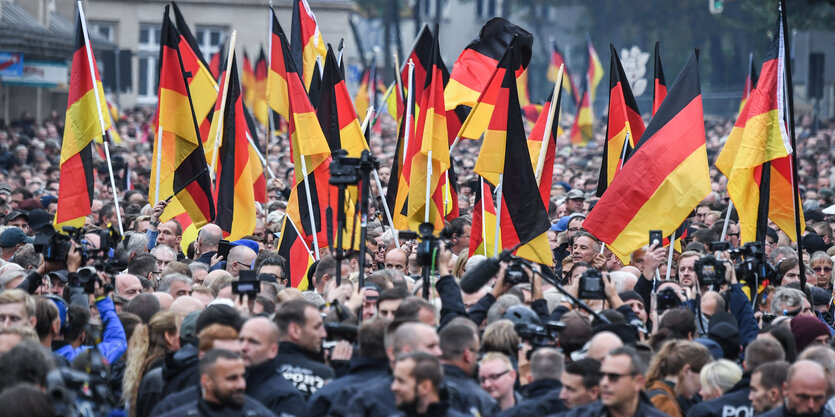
(11, 64)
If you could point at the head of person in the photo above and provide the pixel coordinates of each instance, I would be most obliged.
(497, 376)
(388, 302)
(208, 238)
(17, 308)
(788, 270)
(416, 381)
(585, 247)
(601, 344)
(371, 337)
(222, 378)
(273, 265)
(413, 337)
(258, 341)
(144, 266)
(622, 379)
(680, 362)
(164, 255)
(804, 390)
(170, 233)
(176, 285)
(790, 302)
(687, 268)
(821, 265)
(718, 377)
(397, 259)
(240, 258)
(128, 286)
(767, 386)
(326, 271)
(580, 382)
(459, 345)
(546, 363)
(299, 322)
(217, 336)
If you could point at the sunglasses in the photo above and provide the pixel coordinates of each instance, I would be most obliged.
(612, 377)
(824, 269)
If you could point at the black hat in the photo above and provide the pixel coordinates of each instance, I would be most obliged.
(38, 219)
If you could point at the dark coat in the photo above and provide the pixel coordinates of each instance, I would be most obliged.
(596, 409)
(333, 398)
(466, 395)
(265, 384)
(535, 403)
(734, 403)
(302, 368)
(251, 408)
(179, 371)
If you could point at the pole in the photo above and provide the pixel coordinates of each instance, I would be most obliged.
(625, 147)
(549, 122)
(310, 207)
(367, 118)
(428, 185)
(727, 219)
(670, 256)
(91, 65)
(159, 161)
(792, 137)
(220, 116)
(408, 111)
(385, 205)
(498, 215)
(483, 221)
(366, 165)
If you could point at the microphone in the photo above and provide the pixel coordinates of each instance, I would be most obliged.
(474, 279)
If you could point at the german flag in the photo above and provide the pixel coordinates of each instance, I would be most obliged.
(522, 88)
(85, 108)
(595, 72)
(581, 131)
(247, 82)
(234, 191)
(750, 82)
(544, 133)
(292, 248)
(397, 193)
(504, 162)
(214, 64)
(277, 74)
(429, 149)
(651, 192)
(757, 156)
(259, 106)
(483, 109)
(315, 87)
(624, 122)
(256, 166)
(114, 115)
(202, 84)
(307, 42)
(336, 113)
(479, 59)
(557, 60)
(179, 163)
(483, 232)
(659, 87)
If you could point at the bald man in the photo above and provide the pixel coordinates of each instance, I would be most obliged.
(208, 239)
(804, 391)
(397, 259)
(601, 344)
(165, 300)
(128, 286)
(240, 257)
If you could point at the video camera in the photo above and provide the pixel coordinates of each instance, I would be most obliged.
(751, 268)
(591, 285)
(666, 299)
(76, 393)
(56, 247)
(247, 284)
(537, 335)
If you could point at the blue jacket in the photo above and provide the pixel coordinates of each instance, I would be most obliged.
(114, 343)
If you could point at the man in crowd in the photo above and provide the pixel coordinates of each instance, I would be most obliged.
(416, 384)
(767, 386)
(804, 391)
(301, 332)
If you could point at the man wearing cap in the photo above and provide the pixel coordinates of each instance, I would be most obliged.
(10, 240)
(38, 220)
(574, 201)
(20, 220)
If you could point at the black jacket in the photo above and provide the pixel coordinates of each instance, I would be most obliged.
(781, 411)
(333, 398)
(596, 409)
(206, 258)
(376, 400)
(542, 398)
(186, 396)
(466, 395)
(202, 408)
(265, 384)
(179, 371)
(150, 390)
(302, 368)
(734, 403)
(441, 409)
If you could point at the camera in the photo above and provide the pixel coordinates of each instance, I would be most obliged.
(751, 267)
(428, 245)
(247, 284)
(339, 331)
(666, 299)
(76, 393)
(710, 271)
(539, 335)
(344, 170)
(55, 246)
(591, 285)
(515, 273)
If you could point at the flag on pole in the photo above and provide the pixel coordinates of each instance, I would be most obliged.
(659, 87)
(307, 42)
(483, 231)
(750, 82)
(178, 164)
(624, 122)
(397, 193)
(299, 259)
(256, 166)
(479, 59)
(757, 156)
(336, 113)
(581, 131)
(653, 192)
(557, 59)
(504, 162)
(234, 192)
(277, 73)
(595, 72)
(83, 124)
(259, 105)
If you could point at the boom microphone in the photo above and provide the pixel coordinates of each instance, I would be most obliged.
(474, 279)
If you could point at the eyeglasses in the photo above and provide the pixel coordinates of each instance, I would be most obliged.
(733, 234)
(243, 265)
(612, 377)
(818, 269)
(492, 378)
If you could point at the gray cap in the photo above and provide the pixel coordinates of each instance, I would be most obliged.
(575, 194)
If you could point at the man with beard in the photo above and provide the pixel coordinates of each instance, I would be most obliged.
(222, 389)
(416, 385)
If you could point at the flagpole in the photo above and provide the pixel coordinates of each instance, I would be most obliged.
(727, 220)
(483, 214)
(670, 256)
(498, 214)
(409, 110)
(219, 133)
(310, 207)
(546, 135)
(91, 66)
(367, 118)
(446, 190)
(159, 160)
(385, 204)
(428, 186)
(790, 96)
(623, 153)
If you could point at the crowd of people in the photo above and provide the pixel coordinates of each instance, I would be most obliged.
(146, 324)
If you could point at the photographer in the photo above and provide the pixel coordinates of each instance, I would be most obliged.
(113, 343)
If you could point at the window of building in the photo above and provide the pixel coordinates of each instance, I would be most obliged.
(147, 55)
(210, 39)
(106, 30)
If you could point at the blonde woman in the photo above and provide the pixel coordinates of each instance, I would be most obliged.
(146, 351)
(718, 377)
